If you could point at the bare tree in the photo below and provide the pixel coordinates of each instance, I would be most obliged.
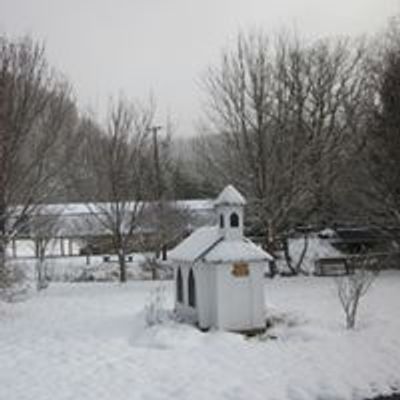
(380, 199)
(351, 288)
(282, 114)
(296, 268)
(250, 148)
(117, 164)
(324, 87)
(167, 223)
(43, 229)
(37, 119)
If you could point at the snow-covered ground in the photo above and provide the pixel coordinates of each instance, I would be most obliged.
(89, 341)
(79, 268)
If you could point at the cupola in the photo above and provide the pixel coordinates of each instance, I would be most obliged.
(229, 209)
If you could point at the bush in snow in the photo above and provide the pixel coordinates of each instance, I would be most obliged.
(157, 268)
(15, 284)
(155, 311)
(351, 288)
(42, 279)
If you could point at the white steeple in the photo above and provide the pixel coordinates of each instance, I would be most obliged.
(229, 208)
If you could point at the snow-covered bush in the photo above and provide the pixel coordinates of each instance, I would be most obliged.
(16, 283)
(155, 268)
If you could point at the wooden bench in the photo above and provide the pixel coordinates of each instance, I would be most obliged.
(332, 266)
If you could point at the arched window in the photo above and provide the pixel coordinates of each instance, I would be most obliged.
(234, 219)
(179, 286)
(221, 221)
(192, 289)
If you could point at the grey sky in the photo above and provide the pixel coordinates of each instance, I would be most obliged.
(162, 46)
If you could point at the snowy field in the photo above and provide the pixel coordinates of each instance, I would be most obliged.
(77, 268)
(89, 341)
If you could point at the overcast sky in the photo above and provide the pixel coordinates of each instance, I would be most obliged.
(163, 46)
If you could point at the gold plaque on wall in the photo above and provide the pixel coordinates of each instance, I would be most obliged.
(240, 269)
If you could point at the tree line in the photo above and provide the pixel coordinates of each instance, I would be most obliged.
(309, 130)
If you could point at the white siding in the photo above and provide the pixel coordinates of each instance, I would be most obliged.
(223, 300)
(240, 299)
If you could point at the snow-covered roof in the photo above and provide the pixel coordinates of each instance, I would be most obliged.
(327, 233)
(231, 196)
(197, 205)
(196, 244)
(209, 245)
(316, 248)
(236, 250)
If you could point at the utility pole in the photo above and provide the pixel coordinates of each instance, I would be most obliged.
(158, 196)
(158, 183)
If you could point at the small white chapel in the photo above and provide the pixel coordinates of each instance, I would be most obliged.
(219, 273)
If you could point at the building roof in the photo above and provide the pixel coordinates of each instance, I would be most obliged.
(230, 196)
(91, 219)
(192, 248)
(208, 245)
(79, 209)
(237, 250)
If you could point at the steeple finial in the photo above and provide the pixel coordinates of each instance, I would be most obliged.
(230, 196)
